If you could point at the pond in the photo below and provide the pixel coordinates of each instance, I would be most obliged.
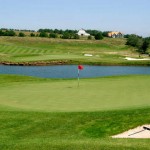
(70, 71)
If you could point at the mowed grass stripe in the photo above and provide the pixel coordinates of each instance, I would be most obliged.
(37, 51)
(19, 50)
(11, 49)
(92, 95)
(25, 51)
(5, 49)
(15, 50)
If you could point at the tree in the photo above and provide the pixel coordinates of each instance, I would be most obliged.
(76, 36)
(98, 36)
(139, 45)
(132, 40)
(53, 35)
(11, 33)
(32, 35)
(1, 33)
(21, 34)
(43, 34)
(66, 35)
(145, 45)
(93, 32)
(105, 33)
(7, 33)
(138, 42)
(90, 37)
(56, 31)
(126, 35)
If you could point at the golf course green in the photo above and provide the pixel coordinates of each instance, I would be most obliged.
(44, 114)
(107, 93)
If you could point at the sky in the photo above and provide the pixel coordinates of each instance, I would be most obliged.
(127, 16)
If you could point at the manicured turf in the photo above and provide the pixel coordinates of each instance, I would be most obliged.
(56, 114)
(107, 93)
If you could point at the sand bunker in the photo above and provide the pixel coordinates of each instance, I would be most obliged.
(139, 132)
(128, 58)
(88, 55)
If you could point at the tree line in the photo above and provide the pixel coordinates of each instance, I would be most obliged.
(21, 30)
(54, 33)
(140, 43)
(69, 33)
(10, 33)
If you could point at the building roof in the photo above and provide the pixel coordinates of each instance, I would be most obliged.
(114, 32)
(83, 32)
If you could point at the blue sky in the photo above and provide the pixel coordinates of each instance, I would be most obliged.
(127, 16)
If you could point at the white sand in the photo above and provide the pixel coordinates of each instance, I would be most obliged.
(138, 132)
(129, 58)
(89, 55)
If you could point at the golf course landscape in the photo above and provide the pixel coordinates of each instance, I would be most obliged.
(43, 113)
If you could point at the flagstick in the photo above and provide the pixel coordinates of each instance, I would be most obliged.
(80, 67)
(78, 76)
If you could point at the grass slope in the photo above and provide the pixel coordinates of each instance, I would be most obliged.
(27, 49)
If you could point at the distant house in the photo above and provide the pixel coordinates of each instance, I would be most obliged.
(115, 35)
(83, 33)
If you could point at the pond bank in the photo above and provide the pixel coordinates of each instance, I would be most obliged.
(75, 62)
(38, 63)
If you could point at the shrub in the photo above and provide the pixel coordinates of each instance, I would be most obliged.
(43, 34)
(76, 36)
(98, 36)
(53, 35)
(90, 37)
(21, 34)
(32, 35)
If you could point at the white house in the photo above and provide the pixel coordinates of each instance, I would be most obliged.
(83, 33)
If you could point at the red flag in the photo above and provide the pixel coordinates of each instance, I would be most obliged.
(80, 67)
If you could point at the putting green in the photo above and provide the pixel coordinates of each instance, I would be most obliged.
(63, 95)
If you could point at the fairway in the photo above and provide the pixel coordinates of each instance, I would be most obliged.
(107, 93)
